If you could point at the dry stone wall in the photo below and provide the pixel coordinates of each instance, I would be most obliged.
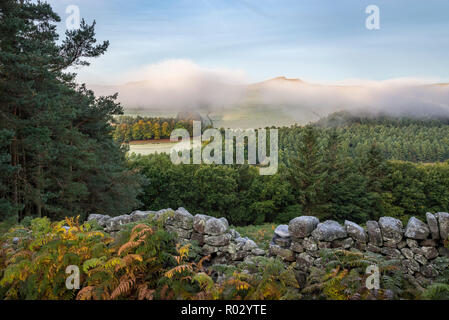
(415, 246)
(213, 235)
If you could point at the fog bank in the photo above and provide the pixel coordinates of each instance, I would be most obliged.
(177, 85)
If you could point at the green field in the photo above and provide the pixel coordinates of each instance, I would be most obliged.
(152, 147)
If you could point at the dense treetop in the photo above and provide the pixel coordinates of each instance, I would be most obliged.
(56, 151)
(408, 139)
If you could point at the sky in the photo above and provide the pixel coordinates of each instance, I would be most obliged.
(316, 40)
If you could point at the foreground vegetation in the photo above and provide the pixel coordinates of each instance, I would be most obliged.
(144, 263)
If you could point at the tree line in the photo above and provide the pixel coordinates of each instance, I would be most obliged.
(407, 139)
(127, 128)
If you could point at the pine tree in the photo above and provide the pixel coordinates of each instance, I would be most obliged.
(373, 167)
(307, 174)
(61, 146)
(7, 210)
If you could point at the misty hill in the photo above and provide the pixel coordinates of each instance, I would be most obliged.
(280, 101)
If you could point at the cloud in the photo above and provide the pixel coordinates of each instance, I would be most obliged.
(395, 97)
(178, 85)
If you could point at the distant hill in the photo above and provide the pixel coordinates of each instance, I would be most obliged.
(280, 101)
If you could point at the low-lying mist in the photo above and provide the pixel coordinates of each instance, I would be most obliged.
(180, 85)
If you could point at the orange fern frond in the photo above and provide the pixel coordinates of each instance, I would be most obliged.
(86, 293)
(124, 287)
(129, 245)
(144, 293)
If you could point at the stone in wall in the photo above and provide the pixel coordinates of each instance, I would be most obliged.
(181, 219)
(141, 215)
(411, 265)
(374, 233)
(282, 231)
(355, 231)
(302, 227)
(391, 252)
(373, 248)
(407, 253)
(218, 240)
(343, 243)
(324, 245)
(249, 245)
(215, 227)
(208, 249)
(391, 229)
(433, 225)
(430, 252)
(281, 236)
(296, 246)
(304, 261)
(310, 244)
(416, 229)
(180, 232)
(285, 254)
(443, 224)
(412, 243)
(199, 222)
(235, 249)
(101, 219)
(198, 237)
(116, 223)
(429, 271)
(282, 242)
(258, 252)
(234, 233)
(328, 231)
(238, 248)
(428, 243)
(225, 222)
(402, 244)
